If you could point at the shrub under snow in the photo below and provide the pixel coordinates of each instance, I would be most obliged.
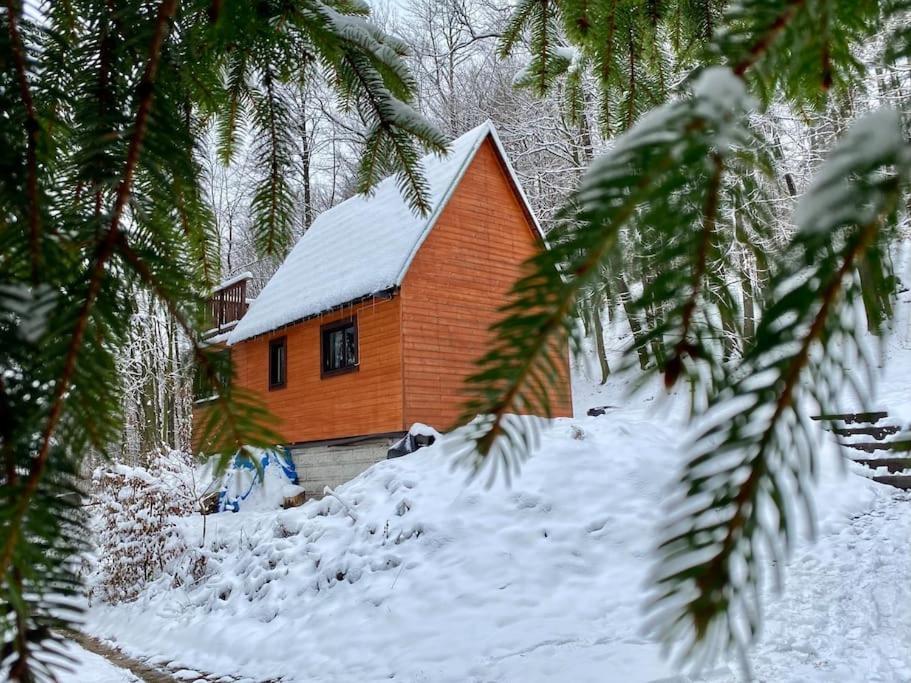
(137, 535)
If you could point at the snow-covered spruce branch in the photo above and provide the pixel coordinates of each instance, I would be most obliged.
(752, 453)
(684, 348)
(273, 203)
(775, 48)
(64, 338)
(526, 334)
(533, 312)
(391, 119)
(198, 224)
(238, 95)
(652, 176)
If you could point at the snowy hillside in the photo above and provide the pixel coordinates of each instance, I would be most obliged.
(411, 575)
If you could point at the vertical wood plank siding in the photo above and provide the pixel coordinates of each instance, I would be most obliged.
(459, 279)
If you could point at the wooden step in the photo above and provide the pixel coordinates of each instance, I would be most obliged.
(854, 418)
(897, 446)
(878, 433)
(892, 464)
(899, 481)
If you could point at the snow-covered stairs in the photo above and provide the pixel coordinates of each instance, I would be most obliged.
(873, 433)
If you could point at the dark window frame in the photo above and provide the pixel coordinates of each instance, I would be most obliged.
(324, 332)
(283, 343)
(201, 390)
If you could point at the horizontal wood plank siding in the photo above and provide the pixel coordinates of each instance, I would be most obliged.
(367, 401)
(417, 348)
(458, 280)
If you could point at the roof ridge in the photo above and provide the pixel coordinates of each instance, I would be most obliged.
(365, 244)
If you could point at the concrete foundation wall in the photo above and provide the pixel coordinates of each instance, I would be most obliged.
(320, 466)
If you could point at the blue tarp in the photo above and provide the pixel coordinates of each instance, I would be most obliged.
(242, 476)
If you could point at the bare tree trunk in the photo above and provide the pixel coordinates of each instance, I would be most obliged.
(305, 164)
(749, 312)
(729, 338)
(599, 339)
(586, 320)
(171, 387)
(867, 286)
(634, 325)
(230, 240)
(652, 315)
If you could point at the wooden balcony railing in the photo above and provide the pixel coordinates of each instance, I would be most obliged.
(228, 302)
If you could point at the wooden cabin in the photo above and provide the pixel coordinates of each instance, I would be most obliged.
(377, 315)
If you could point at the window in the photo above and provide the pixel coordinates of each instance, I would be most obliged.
(278, 362)
(339, 347)
(203, 388)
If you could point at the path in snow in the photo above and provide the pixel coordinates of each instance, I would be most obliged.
(138, 671)
(98, 662)
(844, 615)
(88, 667)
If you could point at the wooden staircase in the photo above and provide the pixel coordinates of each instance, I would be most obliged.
(871, 433)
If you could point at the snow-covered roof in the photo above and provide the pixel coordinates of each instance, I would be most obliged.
(224, 284)
(361, 247)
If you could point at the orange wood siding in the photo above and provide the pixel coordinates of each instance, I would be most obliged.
(309, 408)
(459, 278)
(416, 349)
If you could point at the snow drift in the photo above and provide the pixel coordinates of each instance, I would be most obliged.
(407, 573)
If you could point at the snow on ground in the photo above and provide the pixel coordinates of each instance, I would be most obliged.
(411, 574)
(414, 576)
(87, 667)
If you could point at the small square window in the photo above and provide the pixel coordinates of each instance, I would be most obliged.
(278, 362)
(339, 347)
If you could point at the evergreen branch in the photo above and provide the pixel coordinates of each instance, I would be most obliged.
(204, 245)
(897, 15)
(388, 116)
(548, 268)
(237, 93)
(145, 94)
(238, 439)
(712, 577)
(519, 18)
(215, 11)
(543, 48)
(648, 182)
(274, 169)
(754, 461)
(797, 48)
(32, 129)
(19, 671)
(61, 336)
(6, 433)
(766, 39)
(710, 216)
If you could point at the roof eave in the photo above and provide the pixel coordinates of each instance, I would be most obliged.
(382, 295)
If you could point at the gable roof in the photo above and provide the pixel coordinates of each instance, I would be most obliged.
(364, 245)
